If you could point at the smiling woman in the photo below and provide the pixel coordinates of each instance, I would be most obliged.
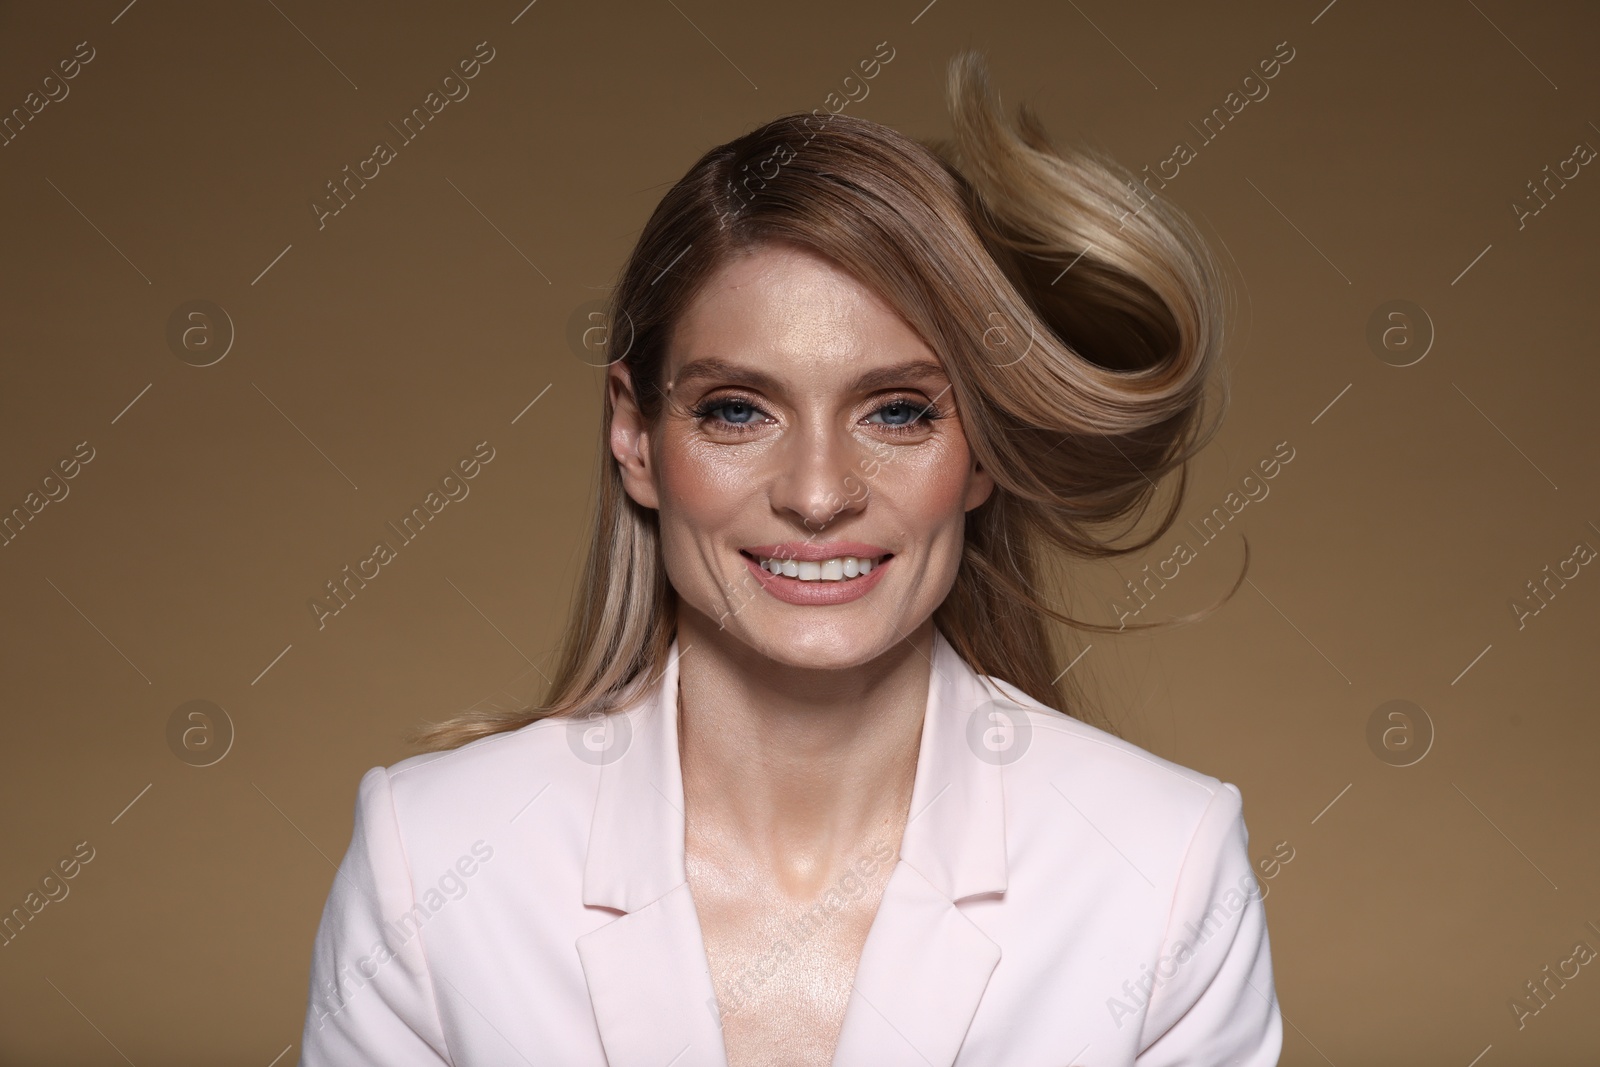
(782, 376)
(862, 415)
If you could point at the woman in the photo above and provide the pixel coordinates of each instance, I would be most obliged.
(805, 790)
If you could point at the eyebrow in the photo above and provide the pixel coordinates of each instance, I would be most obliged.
(713, 367)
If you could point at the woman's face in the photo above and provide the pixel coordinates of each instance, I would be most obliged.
(804, 422)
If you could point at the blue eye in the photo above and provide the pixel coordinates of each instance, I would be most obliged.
(901, 408)
(736, 412)
(732, 411)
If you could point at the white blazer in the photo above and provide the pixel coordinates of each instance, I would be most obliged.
(1061, 897)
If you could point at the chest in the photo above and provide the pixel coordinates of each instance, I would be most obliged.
(782, 964)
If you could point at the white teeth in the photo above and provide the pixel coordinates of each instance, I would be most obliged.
(839, 569)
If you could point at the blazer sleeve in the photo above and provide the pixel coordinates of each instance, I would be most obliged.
(371, 998)
(1213, 1000)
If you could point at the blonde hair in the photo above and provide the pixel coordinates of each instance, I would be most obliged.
(1078, 322)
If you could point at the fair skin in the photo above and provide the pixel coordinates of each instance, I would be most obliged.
(799, 723)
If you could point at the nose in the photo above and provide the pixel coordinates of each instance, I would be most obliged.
(819, 477)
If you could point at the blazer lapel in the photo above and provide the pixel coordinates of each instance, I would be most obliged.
(651, 988)
(648, 976)
(924, 966)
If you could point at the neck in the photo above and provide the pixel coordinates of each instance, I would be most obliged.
(799, 770)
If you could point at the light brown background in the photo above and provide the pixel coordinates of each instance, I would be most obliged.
(424, 318)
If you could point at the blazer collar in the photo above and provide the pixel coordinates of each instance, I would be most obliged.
(924, 965)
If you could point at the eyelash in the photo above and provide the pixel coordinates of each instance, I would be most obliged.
(925, 412)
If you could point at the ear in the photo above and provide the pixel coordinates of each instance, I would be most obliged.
(980, 485)
(630, 439)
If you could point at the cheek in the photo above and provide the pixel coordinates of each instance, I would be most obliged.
(700, 485)
(703, 497)
(928, 486)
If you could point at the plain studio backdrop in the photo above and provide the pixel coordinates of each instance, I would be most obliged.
(224, 382)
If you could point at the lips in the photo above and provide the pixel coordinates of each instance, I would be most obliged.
(824, 579)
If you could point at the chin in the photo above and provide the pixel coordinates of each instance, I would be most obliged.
(807, 641)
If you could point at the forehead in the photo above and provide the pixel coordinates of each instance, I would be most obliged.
(791, 310)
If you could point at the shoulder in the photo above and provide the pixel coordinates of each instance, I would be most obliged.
(486, 784)
(1072, 747)
(1067, 770)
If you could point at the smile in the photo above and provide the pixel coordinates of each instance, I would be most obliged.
(837, 569)
(818, 575)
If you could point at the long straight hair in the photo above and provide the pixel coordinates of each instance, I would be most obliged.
(1078, 318)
